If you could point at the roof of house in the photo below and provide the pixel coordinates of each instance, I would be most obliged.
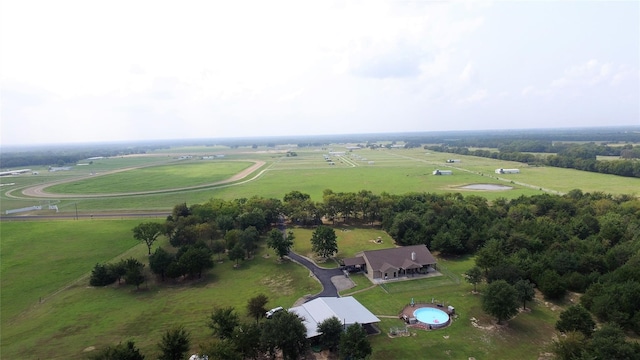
(399, 258)
(347, 309)
(359, 260)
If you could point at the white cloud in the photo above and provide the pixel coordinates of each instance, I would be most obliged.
(157, 69)
(593, 73)
(467, 73)
(477, 96)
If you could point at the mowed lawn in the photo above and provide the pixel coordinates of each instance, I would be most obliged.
(176, 175)
(52, 262)
(40, 257)
(350, 240)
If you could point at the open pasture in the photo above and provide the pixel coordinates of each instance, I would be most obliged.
(53, 261)
(41, 257)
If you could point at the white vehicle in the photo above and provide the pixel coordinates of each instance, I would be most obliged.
(270, 313)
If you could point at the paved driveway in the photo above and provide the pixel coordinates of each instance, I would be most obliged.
(323, 275)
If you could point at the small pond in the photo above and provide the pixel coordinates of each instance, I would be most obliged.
(486, 187)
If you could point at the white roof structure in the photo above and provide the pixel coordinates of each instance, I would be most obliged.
(347, 309)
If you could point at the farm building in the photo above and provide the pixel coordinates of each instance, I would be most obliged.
(507, 171)
(347, 309)
(393, 263)
(442, 172)
(14, 172)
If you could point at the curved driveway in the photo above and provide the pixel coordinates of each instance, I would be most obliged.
(323, 275)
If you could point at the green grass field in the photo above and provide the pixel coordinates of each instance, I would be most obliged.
(171, 176)
(395, 171)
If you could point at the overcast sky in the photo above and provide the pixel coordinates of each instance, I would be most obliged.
(83, 71)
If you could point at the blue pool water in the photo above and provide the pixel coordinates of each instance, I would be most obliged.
(431, 316)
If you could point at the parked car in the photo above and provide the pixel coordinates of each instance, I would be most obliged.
(269, 314)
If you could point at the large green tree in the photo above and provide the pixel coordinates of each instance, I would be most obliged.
(280, 243)
(246, 339)
(195, 260)
(174, 344)
(570, 347)
(576, 318)
(249, 240)
(135, 276)
(256, 306)
(324, 241)
(159, 262)
(236, 253)
(101, 275)
(221, 350)
(148, 232)
(500, 300)
(354, 343)
(223, 321)
(609, 342)
(217, 247)
(526, 291)
(474, 276)
(285, 331)
(126, 351)
(330, 331)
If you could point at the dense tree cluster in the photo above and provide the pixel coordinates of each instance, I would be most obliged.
(106, 274)
(605, 343)
(580, 242)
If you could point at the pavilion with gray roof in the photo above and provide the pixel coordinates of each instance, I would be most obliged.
(347, 309)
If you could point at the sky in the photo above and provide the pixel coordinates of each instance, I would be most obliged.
(87, 71)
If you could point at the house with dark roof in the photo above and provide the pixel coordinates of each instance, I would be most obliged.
(393, 263)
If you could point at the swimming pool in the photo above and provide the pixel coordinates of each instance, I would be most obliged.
(431, 316)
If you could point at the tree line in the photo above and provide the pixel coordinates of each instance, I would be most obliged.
(573, 156)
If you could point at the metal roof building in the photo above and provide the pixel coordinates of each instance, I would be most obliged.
(347, 309)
